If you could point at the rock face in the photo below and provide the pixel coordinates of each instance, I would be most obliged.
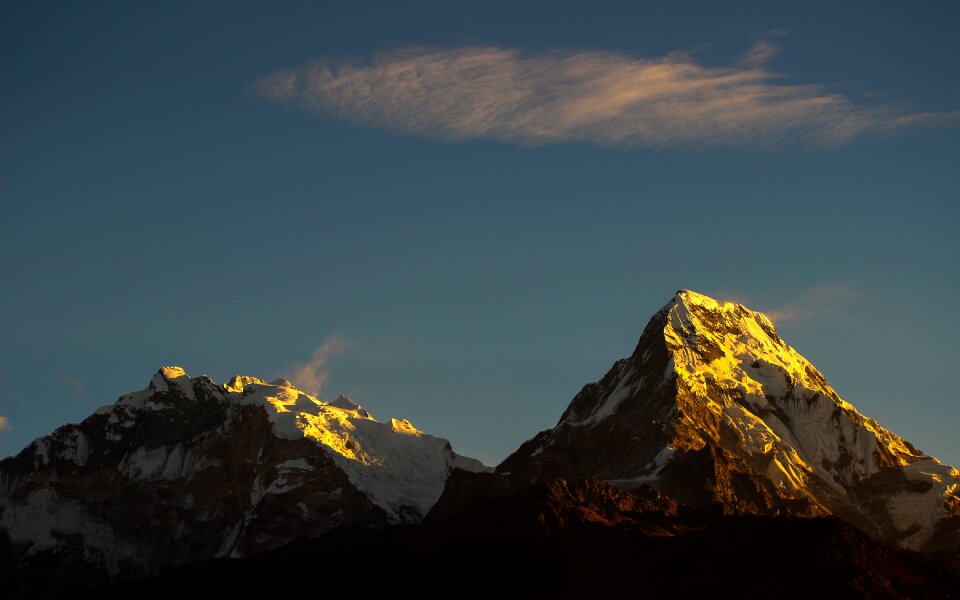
(713, 407)
(187, 470)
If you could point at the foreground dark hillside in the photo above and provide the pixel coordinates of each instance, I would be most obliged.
(576, 539)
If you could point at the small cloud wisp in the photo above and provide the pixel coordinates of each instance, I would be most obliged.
(74, 383)
(816, 302)
(4, 423)
(312, 375)
(599, 97)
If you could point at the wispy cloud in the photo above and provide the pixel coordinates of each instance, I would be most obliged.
(814, 303)
(762, 53)
(607, 98)
(4, 423)
(312, 375)
(74, 383)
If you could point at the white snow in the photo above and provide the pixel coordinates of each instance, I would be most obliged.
(758, 367)
(743, 389)
(145, 464)
(400, 468)
(75, 447)
(625, 388)
(650, 472)
(164, 463)
(174, 464)
(41, 449)
(42, 513)
(166, 379)
(81, 449)
(778, 405)
(924, 509)
(136, 399)
(393, 463)
(294, 464)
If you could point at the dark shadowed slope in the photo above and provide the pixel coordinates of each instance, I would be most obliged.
(583, 539)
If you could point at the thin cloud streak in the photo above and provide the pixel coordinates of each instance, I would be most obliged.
(4, 423)
(74, 383)
(312, 375)
(605, 98)
(762, 53)
(814, 303)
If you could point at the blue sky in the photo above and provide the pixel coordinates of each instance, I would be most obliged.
(466, 211)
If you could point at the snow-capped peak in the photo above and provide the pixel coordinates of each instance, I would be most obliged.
(730, 338)
(687, 305)
(691, 297)
(237, 383)
(166, 379)
(349, 405)
(713, 399)
(186, 470)
(728, 347)
(735, 373)
(170, 377)
(394, 463)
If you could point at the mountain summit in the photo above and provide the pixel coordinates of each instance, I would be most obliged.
(713, 407)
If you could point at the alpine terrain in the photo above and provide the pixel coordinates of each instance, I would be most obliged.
(187, 470)
(715, 452)
(713, 407)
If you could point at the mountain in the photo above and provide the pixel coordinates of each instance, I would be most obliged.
(713, 407)
(714, 452)
(187, 470)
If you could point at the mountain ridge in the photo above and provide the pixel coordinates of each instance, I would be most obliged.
(713, 416)
(186, 470)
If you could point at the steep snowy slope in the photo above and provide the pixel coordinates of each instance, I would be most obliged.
(187, 469)
(396, 465)
(714, 407)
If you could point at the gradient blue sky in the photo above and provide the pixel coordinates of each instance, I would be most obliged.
(472, 258)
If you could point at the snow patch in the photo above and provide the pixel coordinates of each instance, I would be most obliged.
(923, 509)
(295, 464)
(43, 517)
(625, 388)
(144, 464)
